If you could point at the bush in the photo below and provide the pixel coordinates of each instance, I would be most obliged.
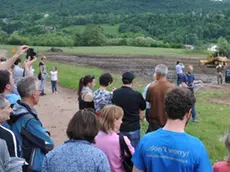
(143, 41)
(3, 36)
(16, 39)
(93, 36)
(54, 39)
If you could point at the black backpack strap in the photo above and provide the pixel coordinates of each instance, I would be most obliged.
(123, 147)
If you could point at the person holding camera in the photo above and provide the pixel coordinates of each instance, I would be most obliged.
(7, 65)
(43, 74)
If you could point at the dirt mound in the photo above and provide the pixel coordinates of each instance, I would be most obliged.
(140, 65)
(53, 49)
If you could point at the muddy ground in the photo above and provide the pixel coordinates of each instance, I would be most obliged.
(141, 65)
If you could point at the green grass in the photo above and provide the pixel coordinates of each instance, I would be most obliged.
(108, 29)
(70, 75)
(211, 94)
(119, 50)
(214, 124)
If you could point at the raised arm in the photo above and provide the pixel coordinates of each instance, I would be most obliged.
(28, 65)
(7, 65)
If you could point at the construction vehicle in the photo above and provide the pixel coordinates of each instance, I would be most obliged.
(213, 60)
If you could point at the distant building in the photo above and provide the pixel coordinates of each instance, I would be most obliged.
(213, 48)
(46, 15)
(50, 28)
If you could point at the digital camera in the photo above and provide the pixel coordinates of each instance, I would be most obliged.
(31, 53)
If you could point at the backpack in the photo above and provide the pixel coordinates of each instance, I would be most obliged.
(126, 160)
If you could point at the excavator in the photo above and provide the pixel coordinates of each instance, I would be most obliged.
(215, 59)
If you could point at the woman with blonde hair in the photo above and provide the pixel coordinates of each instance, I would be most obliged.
(224, 166)
(108, 139)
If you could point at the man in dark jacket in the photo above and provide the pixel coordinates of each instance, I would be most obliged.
(133, 104)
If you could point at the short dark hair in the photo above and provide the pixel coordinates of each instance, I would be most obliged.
(4, 79)
(126, 81)
(178, 101)
(177, 62)
(105, 79)
(84, 125)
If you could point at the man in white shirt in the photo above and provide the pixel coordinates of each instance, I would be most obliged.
(179, 71)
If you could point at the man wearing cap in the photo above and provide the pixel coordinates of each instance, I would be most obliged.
(133, 104)
(155, 96)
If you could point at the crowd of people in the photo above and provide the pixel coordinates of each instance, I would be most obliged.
(104, 135)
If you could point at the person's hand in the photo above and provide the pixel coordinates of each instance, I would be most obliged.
(29, 63)
(113, 89)
(142, 115)
(22, 49)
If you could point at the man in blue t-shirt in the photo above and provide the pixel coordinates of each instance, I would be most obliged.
(171, 148)
(187, 82)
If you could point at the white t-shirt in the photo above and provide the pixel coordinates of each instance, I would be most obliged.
(179, 69)
(54, 75)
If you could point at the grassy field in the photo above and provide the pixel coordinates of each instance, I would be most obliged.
(108, 29)
(70, 75)
(119, 50)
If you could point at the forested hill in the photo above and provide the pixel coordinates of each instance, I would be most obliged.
(167, 23)
(74, 7)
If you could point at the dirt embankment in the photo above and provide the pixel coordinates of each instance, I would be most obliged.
(140, 65)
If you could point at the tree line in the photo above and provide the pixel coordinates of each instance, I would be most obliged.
(136, 27)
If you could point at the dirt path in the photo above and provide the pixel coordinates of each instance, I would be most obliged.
(55, 111)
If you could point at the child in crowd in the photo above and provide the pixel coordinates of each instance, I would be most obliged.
(54, 79)
(224, 166)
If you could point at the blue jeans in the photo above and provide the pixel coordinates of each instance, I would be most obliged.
(134, 137)
(54, 86)
(194, 113)
(43, 82)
